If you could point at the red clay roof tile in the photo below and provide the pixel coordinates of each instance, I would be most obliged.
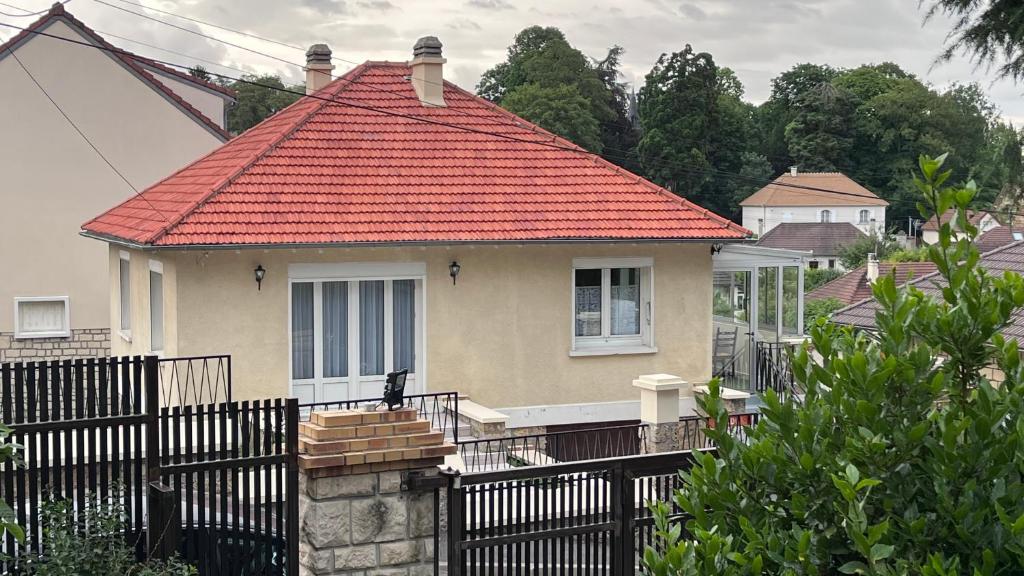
(375, 165)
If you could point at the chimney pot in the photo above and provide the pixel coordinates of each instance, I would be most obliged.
(792, 170)
(318, 67)
(872, 268)
(428, 71)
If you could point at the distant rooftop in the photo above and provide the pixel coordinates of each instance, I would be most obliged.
(786, 191)
(821, 238)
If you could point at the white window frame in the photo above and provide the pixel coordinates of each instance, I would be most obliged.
(20, 335)
(124, 305)
(822, 217)
(608, 344)
(353, 273)
(157, 267)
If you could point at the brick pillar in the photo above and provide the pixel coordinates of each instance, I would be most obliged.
(356, 508)
(659, 409)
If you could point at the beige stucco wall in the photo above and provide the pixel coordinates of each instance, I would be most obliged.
(501, 335)
(139, 339)
(211, 104)
(51, 181)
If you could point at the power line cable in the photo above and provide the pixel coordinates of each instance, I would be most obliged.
(82, 134)
(27, 13)
(545, 142)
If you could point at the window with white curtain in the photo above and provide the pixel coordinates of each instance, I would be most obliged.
(826, 216)
(156, 306)
(36, 317)
(346, 335)
(612, 305)
(864, 216)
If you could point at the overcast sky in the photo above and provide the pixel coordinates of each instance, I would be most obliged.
(756, 38)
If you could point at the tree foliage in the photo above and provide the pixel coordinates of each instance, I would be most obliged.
(989, 32)
(259, 97)
(542, 65)
(901, 456)
(694, 125)
(856, 253)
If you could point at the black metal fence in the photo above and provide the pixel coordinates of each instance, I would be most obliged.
(93, 430)
(554, 447)
(585, 517)
(772, 369)
(692, 429)
(440, 408)
(195, 380)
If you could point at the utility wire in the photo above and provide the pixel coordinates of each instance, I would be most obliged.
(82, 134)
(545, 142)
(27, 13)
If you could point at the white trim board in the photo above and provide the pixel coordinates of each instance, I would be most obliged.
(597, 412)
(356, 270)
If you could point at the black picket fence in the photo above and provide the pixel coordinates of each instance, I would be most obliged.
(587, 517)
(216, 483)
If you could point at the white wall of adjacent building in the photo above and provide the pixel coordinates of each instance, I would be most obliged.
(51, 180)
(761, 219)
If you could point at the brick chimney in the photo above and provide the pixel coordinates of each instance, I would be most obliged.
(792, 170)
(872, 268)
(318, 67)
(428, 71)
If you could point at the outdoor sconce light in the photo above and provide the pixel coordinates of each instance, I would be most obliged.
(453, 270)
(260, 272)
(715, 249)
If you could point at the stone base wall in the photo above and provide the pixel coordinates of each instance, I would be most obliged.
(83, 343)
(365, 524)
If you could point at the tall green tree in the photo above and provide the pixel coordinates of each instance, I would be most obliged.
(541, 62)
(694, 128)
(776, 113)
(259, 97)
(560, 109)
(820, 135)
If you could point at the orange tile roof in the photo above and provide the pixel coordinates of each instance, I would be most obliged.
(854, 286)
(973, 216)
(786, 191)
(374, 165)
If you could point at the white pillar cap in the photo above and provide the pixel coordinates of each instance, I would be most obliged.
(659, 382)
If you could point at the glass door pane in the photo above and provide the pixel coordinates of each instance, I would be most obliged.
(335, 329)
(302, 330)
(732, 331)
(790, 299)
(371, 328)
(404, 322)
(767, 303)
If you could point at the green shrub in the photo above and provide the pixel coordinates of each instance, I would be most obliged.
(9, 454)
(856, 253)
(911, 255)
(92, 544)
(813, 309)
(891, 462)
(814, 277)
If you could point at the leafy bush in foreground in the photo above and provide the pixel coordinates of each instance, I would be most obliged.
(902, 457)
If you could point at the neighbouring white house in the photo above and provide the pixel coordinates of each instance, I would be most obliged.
(983, 220)
(823, 242)
(392, 220)
(813, 197)
(59, 100)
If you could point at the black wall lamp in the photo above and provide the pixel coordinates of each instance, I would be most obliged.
(260, 272)
(453, 270)
(715, 249)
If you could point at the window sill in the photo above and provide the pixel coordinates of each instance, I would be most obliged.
(126, 336)
(37, 335)
(613, 350)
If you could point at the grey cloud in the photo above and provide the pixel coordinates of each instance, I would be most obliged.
(381, 5)
(490, 4)
(464, 24)
(692, 11)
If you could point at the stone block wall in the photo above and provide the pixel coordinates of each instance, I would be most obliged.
(365, 524)
(83, 343)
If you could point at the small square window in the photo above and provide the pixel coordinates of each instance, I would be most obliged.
(45, 317)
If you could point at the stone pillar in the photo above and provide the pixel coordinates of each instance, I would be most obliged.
(358, 513)
(659, 409)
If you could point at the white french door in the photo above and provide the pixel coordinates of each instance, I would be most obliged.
(347, 334)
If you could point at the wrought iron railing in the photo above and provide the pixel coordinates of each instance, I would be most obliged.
(554, 447)
(692, 429)
(440, 408)
(194, 380)
(772, 368)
